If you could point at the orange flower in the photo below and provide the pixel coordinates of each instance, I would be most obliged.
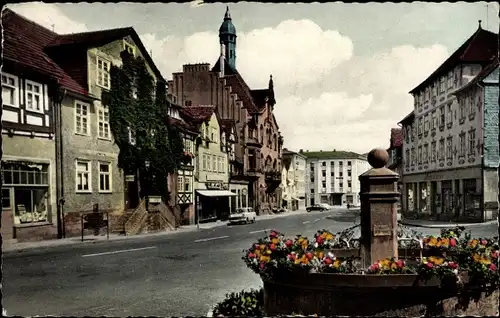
(262, 247)
(329, 236)
(473, 243)
(320, 254)
(265, 259)
(385, 263)
(444, 242)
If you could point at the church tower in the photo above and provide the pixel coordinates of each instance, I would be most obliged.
(227, 37)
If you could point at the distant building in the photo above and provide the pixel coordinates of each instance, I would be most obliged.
(450, 148)
(332, 177)
(293, 180)
(395, 152)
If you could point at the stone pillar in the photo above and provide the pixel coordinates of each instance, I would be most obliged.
(379, 198)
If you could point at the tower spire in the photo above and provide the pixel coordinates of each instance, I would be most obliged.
(227, 36)
(227, 16)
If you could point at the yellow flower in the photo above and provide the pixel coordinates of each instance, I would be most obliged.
(262, 247)
(394, 265)
(336, 263)
(385, 263)
(320, 254)
(265, 259)
(435, 260)
(257, 253)
(443, 242)
(481, 259)
(329, 237)
(275, 240)
(432, 241)
(268, 252)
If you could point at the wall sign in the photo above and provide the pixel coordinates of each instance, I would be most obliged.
(129, 178)
(216, 185)
(382, 230)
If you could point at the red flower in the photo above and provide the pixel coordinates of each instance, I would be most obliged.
(310, 256)
(289, 243)
(453, 242)
(319, 240)
(429, 265)
(272, 247)
(292, 257)
(400, 263)
(484, 242)
(494, 254)
(256, 245)
(452, 265)
(262, 265)
(327, 261)
(274, 234)
(251, 255)
(493, 267)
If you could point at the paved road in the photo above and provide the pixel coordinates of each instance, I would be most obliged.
(176, 275)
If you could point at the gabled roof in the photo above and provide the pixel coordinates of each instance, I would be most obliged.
(480, 76)
(99, 38)
(481, 48)
(182, 125)
(408, 119)
(24, 43)
(396, 137)
(198, 114)
(288, 153)
(239, 85)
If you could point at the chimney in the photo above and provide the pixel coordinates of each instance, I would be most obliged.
(301, 151)
(222, 58)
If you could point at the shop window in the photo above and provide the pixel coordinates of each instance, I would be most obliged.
(30, 205)
(6, 199)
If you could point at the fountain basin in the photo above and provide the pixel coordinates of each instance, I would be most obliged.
(367, 295)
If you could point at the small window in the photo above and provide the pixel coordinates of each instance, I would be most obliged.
(82, 118)
(103, 123)
(188, 103)
(180, 183)
(103, 68)
(9, 90)
(104, 177)
(187, 184)
(34, 100)
(83, 179)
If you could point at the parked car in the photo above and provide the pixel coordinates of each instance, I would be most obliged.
(317, 207)
(243, 215)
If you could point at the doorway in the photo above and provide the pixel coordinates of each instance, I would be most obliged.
(132, 195)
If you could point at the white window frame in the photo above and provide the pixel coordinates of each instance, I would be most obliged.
(204, 163)
(88, 172)
(187, 182)
(87, 105)
(39, 94)
(180, 183)
(100, 73)
(109, 174)
(15, 87)
(127, 45)
(214, 163)
(103, 110)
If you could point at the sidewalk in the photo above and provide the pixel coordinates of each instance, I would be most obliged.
(441, 224)
(20, 246)
(101, 238)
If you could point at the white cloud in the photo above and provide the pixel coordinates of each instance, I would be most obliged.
(48, 15)
(326, 97)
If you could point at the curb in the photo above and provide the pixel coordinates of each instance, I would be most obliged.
(445, 226)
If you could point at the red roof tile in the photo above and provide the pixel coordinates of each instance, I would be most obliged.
(198, 114)
(396, 137)
(24, 43)
(481, 48)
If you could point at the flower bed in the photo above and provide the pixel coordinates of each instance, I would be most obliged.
(322, 276)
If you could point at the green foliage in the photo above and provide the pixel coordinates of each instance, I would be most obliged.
(145, 117)
(245, 303)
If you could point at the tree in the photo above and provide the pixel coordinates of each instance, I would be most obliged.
(138, 118)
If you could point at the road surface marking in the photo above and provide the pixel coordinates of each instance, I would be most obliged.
(253, 232)
(120, 251)
(316, 220)
(305, 222)
(211, 239)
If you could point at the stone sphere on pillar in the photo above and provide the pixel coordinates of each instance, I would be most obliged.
(378, 158)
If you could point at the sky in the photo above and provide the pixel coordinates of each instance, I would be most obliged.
(341, 72)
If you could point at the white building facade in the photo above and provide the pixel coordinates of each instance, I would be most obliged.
(442, 174)
(293, 182)
(332, 177)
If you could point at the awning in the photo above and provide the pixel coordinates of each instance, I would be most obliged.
(216, 193)
(298, 199)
